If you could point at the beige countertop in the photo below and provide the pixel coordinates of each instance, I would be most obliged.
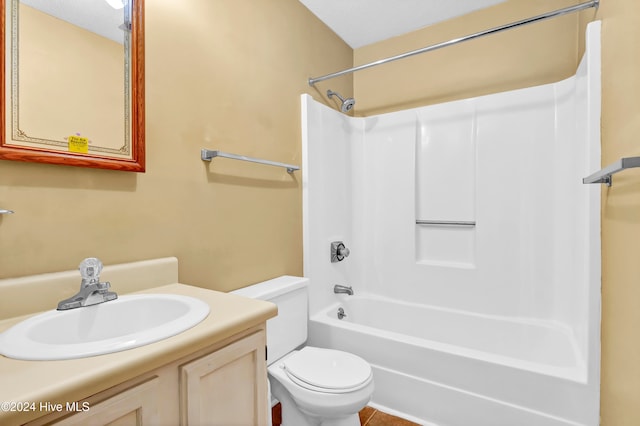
(72, 380)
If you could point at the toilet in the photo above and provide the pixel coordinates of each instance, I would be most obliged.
(315, 386)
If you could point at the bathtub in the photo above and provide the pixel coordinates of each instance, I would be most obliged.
(451, 368)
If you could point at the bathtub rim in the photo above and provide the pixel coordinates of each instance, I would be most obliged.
(579, 373)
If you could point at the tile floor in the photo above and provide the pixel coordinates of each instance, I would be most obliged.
(372, 417)
(368, 417)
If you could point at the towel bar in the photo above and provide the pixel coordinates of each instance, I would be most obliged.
(208, 155)
(604, 175)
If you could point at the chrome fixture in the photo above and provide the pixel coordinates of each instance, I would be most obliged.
(339, 251)
(347, 103)
(341, 313)
(208, 155)
(446, 222)
(545, 16)
(604, 175)
(92, 291)
(2, 211)
(343, 289)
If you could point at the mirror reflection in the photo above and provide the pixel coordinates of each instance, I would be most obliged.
(68, 77)
(70, 64)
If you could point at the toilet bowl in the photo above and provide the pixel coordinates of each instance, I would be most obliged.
(326, 386)
(315, 386)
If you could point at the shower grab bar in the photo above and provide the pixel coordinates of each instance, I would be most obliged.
(604, 175)
(553, 14)
(446, 222)
(208, 155)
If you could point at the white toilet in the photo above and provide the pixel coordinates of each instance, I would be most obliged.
(315, 386)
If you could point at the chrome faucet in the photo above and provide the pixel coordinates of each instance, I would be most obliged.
(92, 291)
(342, 289)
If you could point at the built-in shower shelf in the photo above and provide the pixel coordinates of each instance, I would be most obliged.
(605, 175)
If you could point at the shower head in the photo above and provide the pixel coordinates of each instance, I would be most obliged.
(347, 104)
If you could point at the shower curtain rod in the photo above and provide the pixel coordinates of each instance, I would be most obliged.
(548, 15)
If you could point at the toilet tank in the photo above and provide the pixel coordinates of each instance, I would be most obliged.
(288, 330)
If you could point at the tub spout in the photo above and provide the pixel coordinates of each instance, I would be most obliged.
(342, 289)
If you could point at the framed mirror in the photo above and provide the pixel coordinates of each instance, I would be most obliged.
(72, 83)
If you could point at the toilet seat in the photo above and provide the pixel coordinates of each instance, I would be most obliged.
(327, 370)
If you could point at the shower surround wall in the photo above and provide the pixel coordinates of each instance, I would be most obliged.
(512, 163)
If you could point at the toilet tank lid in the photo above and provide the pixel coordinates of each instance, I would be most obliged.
(267, 290)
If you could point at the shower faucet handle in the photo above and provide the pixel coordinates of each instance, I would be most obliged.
(339, 251)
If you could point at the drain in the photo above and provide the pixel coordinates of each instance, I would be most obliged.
(341, 313)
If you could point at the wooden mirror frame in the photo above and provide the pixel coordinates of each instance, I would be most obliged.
(41, 155)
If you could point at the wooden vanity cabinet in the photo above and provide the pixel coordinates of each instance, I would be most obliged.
(138, 405)
(222, 385)
(228, 386)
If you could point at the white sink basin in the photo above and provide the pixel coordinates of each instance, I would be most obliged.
(117, 325)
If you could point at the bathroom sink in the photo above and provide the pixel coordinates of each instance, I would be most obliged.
(125, 323)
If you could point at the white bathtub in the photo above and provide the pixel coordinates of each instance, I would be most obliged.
(454, 368)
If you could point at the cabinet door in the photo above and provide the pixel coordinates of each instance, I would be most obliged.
(227, 387)
(135, 406)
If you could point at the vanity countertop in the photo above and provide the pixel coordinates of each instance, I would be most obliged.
(72, 380)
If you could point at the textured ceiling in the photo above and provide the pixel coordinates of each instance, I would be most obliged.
(362, 22)
(357, 22)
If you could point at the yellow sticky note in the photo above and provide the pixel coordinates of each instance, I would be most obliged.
(78, 144)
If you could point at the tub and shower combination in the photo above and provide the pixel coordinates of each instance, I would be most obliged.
(457, 368)
(491, 318)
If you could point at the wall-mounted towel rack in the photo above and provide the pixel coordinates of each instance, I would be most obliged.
(446, 222)
(3, 211)
(604, 175)
(208, 155)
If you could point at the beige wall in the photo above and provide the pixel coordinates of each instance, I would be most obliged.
(224, 74)
(621, 214)
(534, 54)
(228, 74)
(538, 54)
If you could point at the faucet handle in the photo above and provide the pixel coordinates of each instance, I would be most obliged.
(103, 287)
(339, 251)
(90, 269)
(343, 251)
